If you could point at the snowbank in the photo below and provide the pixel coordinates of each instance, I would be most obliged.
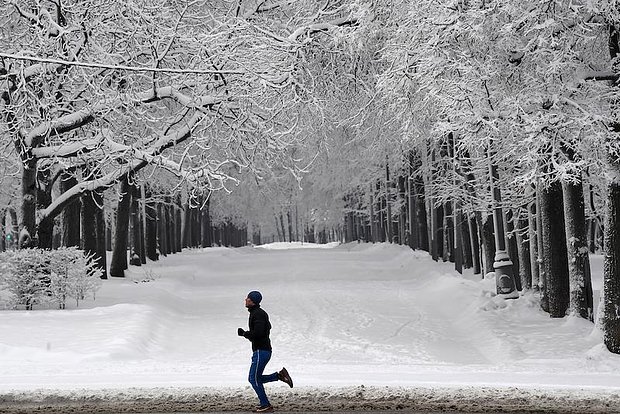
(463, 399)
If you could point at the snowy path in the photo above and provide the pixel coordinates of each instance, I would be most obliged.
(373, 315)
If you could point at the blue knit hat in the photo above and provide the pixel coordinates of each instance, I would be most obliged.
(255, 296)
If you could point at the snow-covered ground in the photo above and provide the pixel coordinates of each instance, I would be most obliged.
(377, 323)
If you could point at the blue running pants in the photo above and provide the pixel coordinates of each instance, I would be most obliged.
(260, 358)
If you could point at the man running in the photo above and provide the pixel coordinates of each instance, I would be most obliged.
(261, 351)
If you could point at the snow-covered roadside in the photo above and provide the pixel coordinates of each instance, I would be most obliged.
(463, 399)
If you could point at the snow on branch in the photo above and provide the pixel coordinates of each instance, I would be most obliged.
(599, 76)
(80, 118)
(67, 150)
(97, 65)
(322, 27)
(154, 158)
(161, 144)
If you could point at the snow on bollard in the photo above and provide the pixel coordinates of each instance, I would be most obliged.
(504, 278)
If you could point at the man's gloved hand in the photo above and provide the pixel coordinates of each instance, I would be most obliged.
(240, 332)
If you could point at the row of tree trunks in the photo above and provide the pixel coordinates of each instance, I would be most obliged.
(409, 226)
(230, 235)
(538, 241)
(321, 235)
(287, 224)
(148, 225)
(197, 230)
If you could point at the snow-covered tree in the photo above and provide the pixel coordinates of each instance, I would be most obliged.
(196, 87)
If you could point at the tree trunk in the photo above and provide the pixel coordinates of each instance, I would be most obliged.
(142, 195)
(198, 225)
(475, 243)
(437, 218)
(448, 233)
(311, 238)
(108, 237)
(161, 230)
(458, 238)
(533, 240)
(373, 226)
(100, 228)
(45, 230)
(217, 241)
(277, 228)
(135, 225)
(169, 225)
(179, 225)
(89, 225)
(402, 216)
(225, 234)
(592, 235)
(119, 252)
(142, 237)
(380, 211)
(187, 226)
(151, 227)
(523, 251)
(172, 242)
(206, 226)
(422, 218)
(3, 230)
(513, 249)
(581, 301)
(45, 227)
(282, 227)
(611, 268)
(412, 215)
(12, 242)
(296, 223)
(488, 243)
(414, 234)
(348, 227)
(29, 201)
(542, 283)
(464, 240)
(554, 255)
(70, 214)
(388, 204)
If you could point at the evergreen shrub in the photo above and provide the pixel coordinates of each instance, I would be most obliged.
(46, 277)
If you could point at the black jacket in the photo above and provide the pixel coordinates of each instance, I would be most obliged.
(259, 329)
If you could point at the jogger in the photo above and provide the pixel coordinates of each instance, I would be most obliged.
(261, 348)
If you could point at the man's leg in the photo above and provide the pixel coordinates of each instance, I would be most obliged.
(259, 360)
(269, 378)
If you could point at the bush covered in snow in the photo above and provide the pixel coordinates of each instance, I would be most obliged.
(36, 276)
